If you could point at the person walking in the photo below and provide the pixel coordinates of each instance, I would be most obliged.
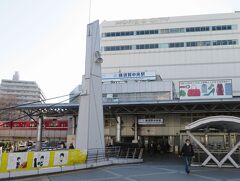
(187, 153)
(71, 146)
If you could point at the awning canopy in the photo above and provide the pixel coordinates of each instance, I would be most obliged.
(222, 123)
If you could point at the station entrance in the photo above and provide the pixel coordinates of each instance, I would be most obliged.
(216, 141)
(159, 145)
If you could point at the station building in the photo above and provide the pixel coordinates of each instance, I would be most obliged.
(161, 74)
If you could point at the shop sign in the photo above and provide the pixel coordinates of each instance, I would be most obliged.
(205, 89)
(123, 76)
(150, 121)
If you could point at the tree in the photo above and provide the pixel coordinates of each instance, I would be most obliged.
(8, 108)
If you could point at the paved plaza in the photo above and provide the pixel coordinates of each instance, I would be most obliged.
(151, 170)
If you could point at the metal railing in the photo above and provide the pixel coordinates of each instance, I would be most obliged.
(104, 154)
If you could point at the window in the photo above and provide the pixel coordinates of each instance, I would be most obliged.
(171, 45)
(147, 46)
(224, 42)
(176, 45)
(146, 32)
(117, 48)
(113, 34)
(222, 27)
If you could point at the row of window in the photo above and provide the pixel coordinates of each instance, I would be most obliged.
(171, 45)
(170, 30)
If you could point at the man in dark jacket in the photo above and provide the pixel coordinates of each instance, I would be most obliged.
(187, 153)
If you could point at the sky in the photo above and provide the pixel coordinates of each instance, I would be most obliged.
(44, 40)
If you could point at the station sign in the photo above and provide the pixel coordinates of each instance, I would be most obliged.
(205, 89)
(150, 121)
(124, 76)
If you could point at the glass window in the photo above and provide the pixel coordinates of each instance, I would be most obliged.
(224, 27)
(123, 33)
(197, 29)
(108, 34)
(229, 27)
(224, 42)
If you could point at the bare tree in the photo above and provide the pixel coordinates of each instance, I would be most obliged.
(8, 108)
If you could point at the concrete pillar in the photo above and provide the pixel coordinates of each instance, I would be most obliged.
(39, 134)
(118, 139)
(74, 125)
(135, 132)
(90, 130)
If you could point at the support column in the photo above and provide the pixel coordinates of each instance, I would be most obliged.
(135, 132)
(118, 139)
(74, 124)
(39, 134)
(90, 129)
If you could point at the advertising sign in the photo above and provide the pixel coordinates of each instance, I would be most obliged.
(17, 160)
(205, 89)
(41, 159)
(61, 158)
(150, 121)
(123, 76)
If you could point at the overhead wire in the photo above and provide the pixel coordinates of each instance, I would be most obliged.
(52, 105)
(30, 103)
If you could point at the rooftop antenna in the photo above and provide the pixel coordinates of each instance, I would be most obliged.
(89, 16)
(90, 6)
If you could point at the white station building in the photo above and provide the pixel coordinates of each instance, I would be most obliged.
(198, 56)
(161, 75)
(201, 47)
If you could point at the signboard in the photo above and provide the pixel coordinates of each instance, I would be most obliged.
(205, 89)
(124, 76)
(17, 160)
(150, 121)
(61, 157)
(41, 159)
(32, 160)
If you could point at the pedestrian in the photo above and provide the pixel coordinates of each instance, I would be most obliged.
(63, 146)
(151, 148)
(187, 153)
(71, 146)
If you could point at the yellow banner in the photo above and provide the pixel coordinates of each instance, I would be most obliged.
(35, 160)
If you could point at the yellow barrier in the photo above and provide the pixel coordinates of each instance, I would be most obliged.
(35, 160)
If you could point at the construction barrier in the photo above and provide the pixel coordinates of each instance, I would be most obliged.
(34, 160)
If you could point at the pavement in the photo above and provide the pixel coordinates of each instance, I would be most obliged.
(154, 168)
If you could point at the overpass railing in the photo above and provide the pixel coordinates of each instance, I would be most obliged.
(105, 154)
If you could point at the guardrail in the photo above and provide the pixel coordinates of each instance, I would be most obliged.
(104, 154)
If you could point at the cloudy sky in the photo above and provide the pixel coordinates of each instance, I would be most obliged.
(44, 40)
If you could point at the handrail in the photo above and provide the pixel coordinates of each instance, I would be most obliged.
(104, 154)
